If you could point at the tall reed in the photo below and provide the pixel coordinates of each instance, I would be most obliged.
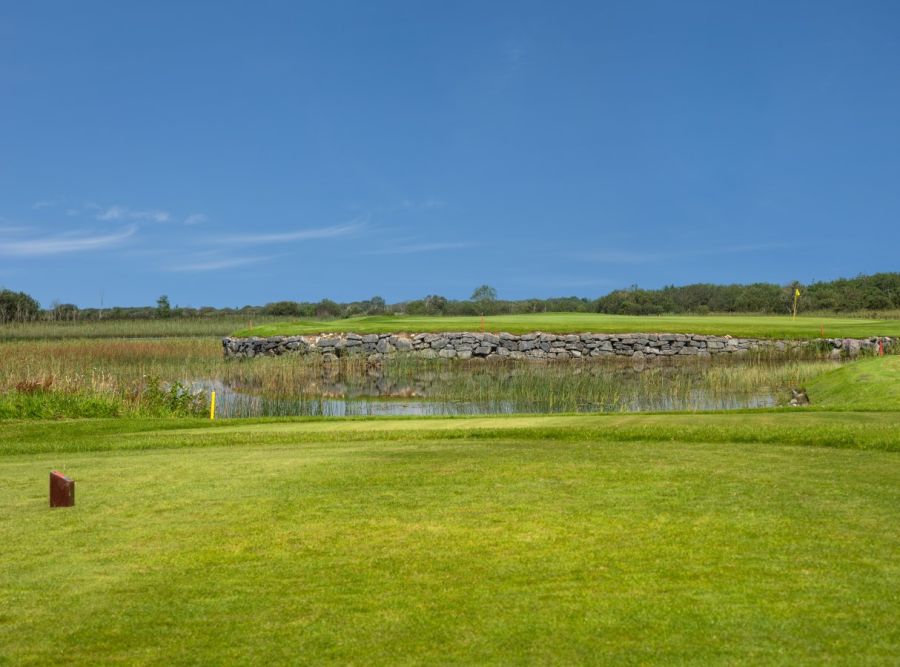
(124, 369)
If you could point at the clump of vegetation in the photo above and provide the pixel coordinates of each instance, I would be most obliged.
(150, 398)
(155, 398)
(57, 405)
(18, 307)
(100, 378)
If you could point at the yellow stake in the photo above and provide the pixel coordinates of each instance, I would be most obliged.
(796, 296)
(212, 405)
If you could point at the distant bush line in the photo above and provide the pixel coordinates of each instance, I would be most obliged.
(877, 292)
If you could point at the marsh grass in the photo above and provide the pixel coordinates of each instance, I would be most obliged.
(131, 328)
(100, 377)
(137, 376)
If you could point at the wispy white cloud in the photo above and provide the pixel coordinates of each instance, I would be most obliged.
(743, 247)
(614, 256)
(43, 204)
(561, 282)
(332, 231)
(619, 257)
(214, 264)
(195, 219)
(419, 204)
(64, 243)
(414, 248)
(12, 229)
(124, 213)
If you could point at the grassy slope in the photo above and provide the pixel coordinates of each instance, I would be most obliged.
(628, 538)
(735, 325)
(866, 384)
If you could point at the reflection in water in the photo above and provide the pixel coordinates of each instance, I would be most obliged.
(419, 387)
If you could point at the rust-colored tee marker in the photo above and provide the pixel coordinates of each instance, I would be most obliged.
(62, 490)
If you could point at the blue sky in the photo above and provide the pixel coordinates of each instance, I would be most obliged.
(233, 153)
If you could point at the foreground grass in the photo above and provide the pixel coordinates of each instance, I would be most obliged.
(752, 326)
(866, 384)
(716, 538)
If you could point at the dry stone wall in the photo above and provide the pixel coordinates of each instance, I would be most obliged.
(532, 346)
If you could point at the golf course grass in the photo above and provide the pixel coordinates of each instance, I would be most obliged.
(872, 384)
(748, 326)
(657, 538)
(763, 536)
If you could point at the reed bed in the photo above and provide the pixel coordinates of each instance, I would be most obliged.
(176, 375)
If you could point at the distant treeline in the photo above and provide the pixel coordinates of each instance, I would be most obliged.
(880, 291)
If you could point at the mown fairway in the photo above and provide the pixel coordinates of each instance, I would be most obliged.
(752, 326)
(715, 538)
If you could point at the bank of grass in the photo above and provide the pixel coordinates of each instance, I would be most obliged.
(705, 539)
(750, 326)
(872, 384)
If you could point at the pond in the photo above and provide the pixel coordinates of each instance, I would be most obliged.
(427, 387)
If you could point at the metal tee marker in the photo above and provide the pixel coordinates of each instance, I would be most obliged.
(62, 490)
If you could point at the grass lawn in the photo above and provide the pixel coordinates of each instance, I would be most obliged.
(866, 384)
(750, 326)
(706, 538)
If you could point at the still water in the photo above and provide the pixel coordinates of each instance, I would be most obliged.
(412, 387)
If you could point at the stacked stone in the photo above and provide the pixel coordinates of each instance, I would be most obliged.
(546, 346)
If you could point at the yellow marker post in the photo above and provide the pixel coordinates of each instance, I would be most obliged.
(212, 405)
(796, 296)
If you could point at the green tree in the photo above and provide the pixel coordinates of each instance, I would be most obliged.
(283, 309)
(163, 308)
(18, 307)
(64, 311)
(434, 304)
(328, 308)
(484, 293)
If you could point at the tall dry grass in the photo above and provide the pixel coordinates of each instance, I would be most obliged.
(135, 328)
(128, 370)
